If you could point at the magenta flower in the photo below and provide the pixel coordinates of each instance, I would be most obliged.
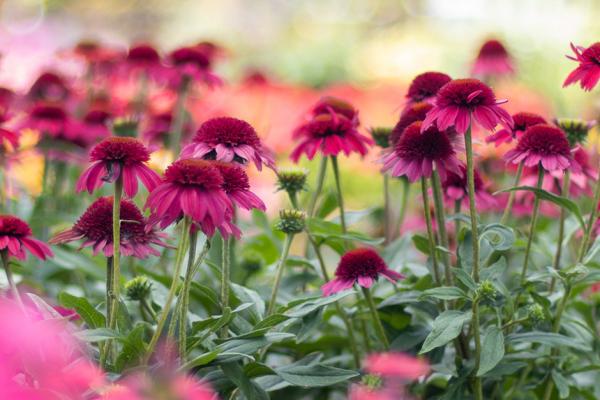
(412, 113)
(115, 157)
(94, 227)
(333, 105)
(15, 237)
(543, 144)
(588, 71)
(425, 86)
(396, 365)
(493, 60)
(521, 121)
(9, 141)
(581, 179)
(49, 87)
(92, 128)
(459, 99)
(362, 266)
(158, 129)
(191, 63)
(417, 153)
(192, 188)
(230, 140)
(237, 186)
(48, 119)
(455, 188)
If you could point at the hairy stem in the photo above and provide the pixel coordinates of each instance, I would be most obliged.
(585, 243)
(225, 277)
(403, 205)
(319, 188)
(387, 220)
(534, 216)
(561, 229)
(340, 197)
(377, 321)
(430, 233)
(279, 273)
(440, 215)
(511, 196)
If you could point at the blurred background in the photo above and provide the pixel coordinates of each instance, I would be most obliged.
(282, 55)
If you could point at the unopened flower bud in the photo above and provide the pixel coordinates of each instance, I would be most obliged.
(138, 288)
(487, 290)
(126, 126)
(575, 129)
(292, 180)
(372, 382)
(536, 313)
(381, 136)
(252, 261)
(291, 221)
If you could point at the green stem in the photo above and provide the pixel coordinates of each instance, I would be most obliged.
(430, 234)
(109, 297)
(180, 115)
(591, 221)
(340, 197)
(403, 205)
(477, 389)
(180, 307)
(279, 273)
(378, 325)
(561, 229)
(534, 216)
(438, 203)
(511, 196)
(555, 328)
(11, 283)
(387, 220)
(457, 207)
(148, 308)
(225, 273)
(174, 284)
(320, 180)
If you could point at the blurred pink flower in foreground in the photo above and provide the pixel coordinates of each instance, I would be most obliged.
(396, 365)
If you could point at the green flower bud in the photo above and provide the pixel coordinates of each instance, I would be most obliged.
(252, 261)
(138, 288)
(536, 313)
(373, 382)
(381, 136)
(487, 290)
(126, 126)
(292, 180)
(291, 221)
(575, 129)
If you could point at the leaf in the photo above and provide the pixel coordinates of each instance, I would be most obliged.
(133, 348)
(561, 384)
(352, 217)
(498, 236)
(250, 389)
(421, 243)
(308, 307)
(492, 350)
(465, 278)
(201, 360)
(547, 338)
(246, 295)
(97, 335)
(91, 316)
(445, 293)
(558, 200)
(314, 375)
(446, 327)
(591, 254)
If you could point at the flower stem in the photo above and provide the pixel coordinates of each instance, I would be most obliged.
(11, 283)
(475, 273)
(378, 325)
(109, 297)
(340, 197)
(511, 196)
(225, 272)
(457, 207)
(174, 284)
(279, 272)
(561, 229)
(320, 180)
(387, 220)
(403, 204)
(534, 216)
(588, 229)
(440, 214)
(430, 234)
(180, 116)
(179, 316)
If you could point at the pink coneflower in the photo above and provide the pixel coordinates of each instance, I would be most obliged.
(94, 227)
(362, 266)
(588, 71)
(459, 99)
(115, 157)
(15, 237)
(412, 113)
(521, 121)
(237, 186)
(455, 188)
(49, 87)
(192, 63)
(192, 188)
(144, 58)
(333, 105)
(230, 140)
(91, 128)
(493, 60)
(51, 120)
(582, 178)
(330, 134)
(543, 144)
(416, 153)
(396, 365)
(425, 86)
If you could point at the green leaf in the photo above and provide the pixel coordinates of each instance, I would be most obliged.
(547, 338)
(558, 200)
(315, 303)
(445, 293)
(314, 375)
(421, 243)
(592, 252)
(498, 236)
(561, 384)
(201, 360)
(465, 278)
(133, 348)
(236, 374)
(446, 327)
(97, 335)
(91, 316)
(492, 350)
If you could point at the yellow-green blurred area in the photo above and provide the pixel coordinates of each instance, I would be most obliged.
(375, 46)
